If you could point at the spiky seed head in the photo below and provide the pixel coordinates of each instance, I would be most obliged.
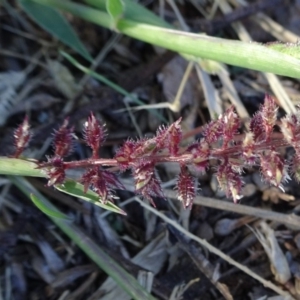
(63, 140)
(126, 154)
(295, 167)
(213, 131)
(102, 182)
(143, 174)
(269, 115)
(56, 171)
(248, 147)
(230, 181)
(186, 187)
(170, 137)
(257, 128)
(21, 137)
(290, 126)
(94, 134)
(146, 183)
(273, 168)
(231, 123)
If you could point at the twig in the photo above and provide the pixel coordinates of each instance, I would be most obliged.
(291, 219)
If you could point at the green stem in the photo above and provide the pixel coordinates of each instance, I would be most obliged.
(247, 55)
(19, 167)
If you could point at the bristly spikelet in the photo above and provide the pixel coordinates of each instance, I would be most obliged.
(102, 182)
(290, 128)
(94, 134)
(269, 115)
(55, 171)
(125, 153)
(295, 167)
(213, 131)
(146, 183)
(143, 174)
(230, 181)
(21, 137)
(257, 128)
(169, 138)
(186, 187)
(231, 123)
(175, 136)
(248, 147)
(63, 140)
(273, 168)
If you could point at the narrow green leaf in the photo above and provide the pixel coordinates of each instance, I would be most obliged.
(51, 212)
(134, 11)
(287, 48)
(53, 22)
(76, 189)
(115, 9)
(247, 55)
(19, 167)
(109, 83)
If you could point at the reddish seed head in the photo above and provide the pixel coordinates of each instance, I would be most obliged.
(290, 127)
(142, 156)
(186, 187)
(269, 115)
(273, 168)
(213, 131)
(21, 137)
(295, 167)
(231, 124)
(169, 138)
(143, 174)
(248, 148)
(257, 128)
(55, 171)
(146, 184)
(94, 134)
(230, 181)
(63, 140)
(102, 182)
(125, 154)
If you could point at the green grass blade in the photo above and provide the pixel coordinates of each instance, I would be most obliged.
(89, 247)
(52, 21)
(133, 11)
(96, 16)
(51, 212)
(237, 53)
(287, 48)
(246, 55)
(19, 167)
(76, 189)
(108, 83)
(115, 9)
(101, 78)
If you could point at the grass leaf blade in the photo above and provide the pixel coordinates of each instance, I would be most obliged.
(115, 9)
(19, 167)
(76, 189)
(53, 22)
(51, 212)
